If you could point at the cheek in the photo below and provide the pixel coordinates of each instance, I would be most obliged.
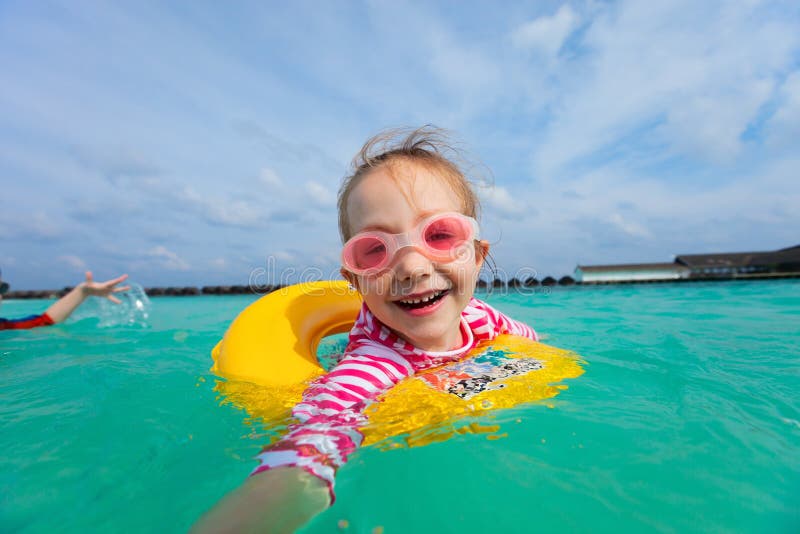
(463, 274)
(374, 286)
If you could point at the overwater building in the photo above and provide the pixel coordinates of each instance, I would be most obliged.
(632, 272)
(783, 263)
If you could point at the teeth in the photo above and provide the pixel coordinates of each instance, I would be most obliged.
(425, 299)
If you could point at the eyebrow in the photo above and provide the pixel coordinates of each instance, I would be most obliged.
(384, 228)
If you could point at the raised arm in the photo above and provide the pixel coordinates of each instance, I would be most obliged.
(64, 306)
(295, 478)
(280, 500)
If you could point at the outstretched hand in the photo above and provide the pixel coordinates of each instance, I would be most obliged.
(104, 289)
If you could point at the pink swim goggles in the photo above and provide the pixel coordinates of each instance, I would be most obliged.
(442, 238)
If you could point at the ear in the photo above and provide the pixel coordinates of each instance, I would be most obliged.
(481, 251)
(350, 277)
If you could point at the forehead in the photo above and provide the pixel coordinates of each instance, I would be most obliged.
(400, 190)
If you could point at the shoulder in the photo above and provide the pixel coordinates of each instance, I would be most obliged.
(480, 319)
(478, 310)
(477, 305)
(369, 338)
(368, 352)
(487, 322)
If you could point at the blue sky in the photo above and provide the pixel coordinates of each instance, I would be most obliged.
(198, 142)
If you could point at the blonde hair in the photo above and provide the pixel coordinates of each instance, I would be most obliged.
(427, 146)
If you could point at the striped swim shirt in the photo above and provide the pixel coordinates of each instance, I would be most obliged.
(332, 409)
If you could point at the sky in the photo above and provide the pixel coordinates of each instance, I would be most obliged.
(202, 143)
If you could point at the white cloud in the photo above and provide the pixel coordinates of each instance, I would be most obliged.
(168, 259)
(500, 199)
(225, 211)
(548, 33)
(320, 194)
(631, 228)
(236, 213)
(42, 225)
(117, 164)
(701, 71)
(73, 261)
(710, 127)
(674, 123)
(38, 225)
(467, 71)
(270, 178)
(784, 125)
(284, 255)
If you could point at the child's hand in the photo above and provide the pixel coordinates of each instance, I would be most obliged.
(104, 289)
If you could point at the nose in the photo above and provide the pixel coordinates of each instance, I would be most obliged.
(411, 265)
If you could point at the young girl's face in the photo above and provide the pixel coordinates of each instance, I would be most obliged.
(395, 203)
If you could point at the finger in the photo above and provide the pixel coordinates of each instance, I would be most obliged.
(88, 277)
(116, 280)
(113, 299)
(121, 289)
(109, 284)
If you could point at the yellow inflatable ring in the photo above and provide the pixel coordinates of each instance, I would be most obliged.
(274, 341)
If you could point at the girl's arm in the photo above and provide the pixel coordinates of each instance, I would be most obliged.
(64, 306)
(279, 500)
(294, 480)
(331, 412)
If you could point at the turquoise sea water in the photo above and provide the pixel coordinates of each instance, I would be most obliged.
(687, 419)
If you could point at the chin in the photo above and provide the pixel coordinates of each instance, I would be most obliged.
(430, 333)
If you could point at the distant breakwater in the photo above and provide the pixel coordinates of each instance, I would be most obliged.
(483, 286)
(188, 291)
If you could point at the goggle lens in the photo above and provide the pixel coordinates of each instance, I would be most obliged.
(446, 233)
(368, 252)
(441, 238)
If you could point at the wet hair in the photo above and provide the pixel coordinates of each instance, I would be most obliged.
(428, 147)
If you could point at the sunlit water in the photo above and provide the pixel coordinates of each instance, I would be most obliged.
(687, 419)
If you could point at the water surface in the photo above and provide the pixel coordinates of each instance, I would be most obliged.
(687, 419)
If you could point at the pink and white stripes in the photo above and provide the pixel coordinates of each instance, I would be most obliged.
(375, 359)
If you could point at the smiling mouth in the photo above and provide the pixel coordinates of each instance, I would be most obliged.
(429, 300)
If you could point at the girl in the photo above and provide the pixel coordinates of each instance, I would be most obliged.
(63, 307)
(412, 249)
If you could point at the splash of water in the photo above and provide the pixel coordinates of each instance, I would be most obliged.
(133, 309)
